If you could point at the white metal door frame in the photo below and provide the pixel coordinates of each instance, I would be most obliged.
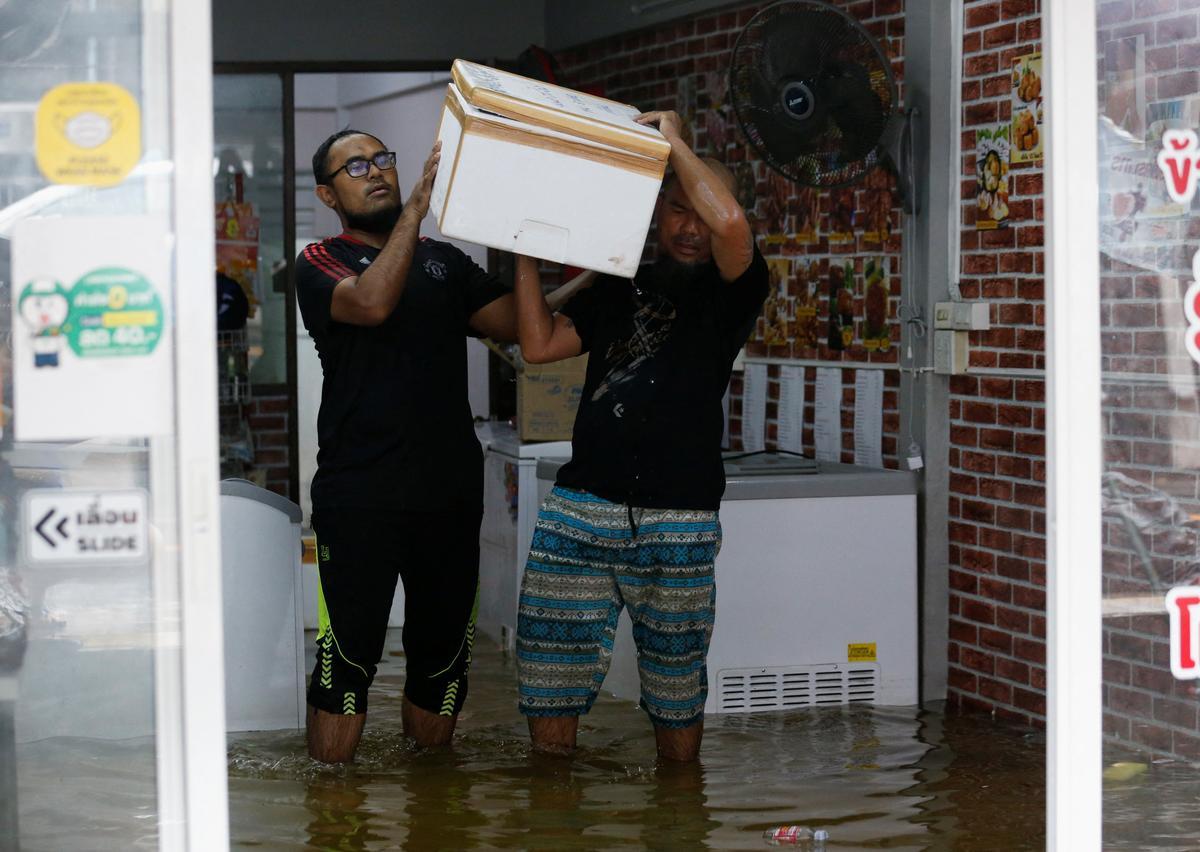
(1073, 425)
(202, 682)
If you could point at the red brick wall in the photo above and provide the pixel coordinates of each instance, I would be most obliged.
(1152, 436)
(268, 416)
(997, 519)
(658, 68)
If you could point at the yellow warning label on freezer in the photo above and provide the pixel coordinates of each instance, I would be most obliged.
(863, 652)
(88, 133)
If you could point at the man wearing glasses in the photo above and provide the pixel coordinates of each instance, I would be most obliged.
(399, 485)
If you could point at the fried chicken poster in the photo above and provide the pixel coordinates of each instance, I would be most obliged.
(1027, 116)
(805, 333)
(779, 308)
(841, 216)
(991, 177)
(877, 335)
(808, 216)
(877, 201)
(779, 190)
(841, 306)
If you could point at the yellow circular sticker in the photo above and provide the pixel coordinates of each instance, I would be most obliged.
(88, 133)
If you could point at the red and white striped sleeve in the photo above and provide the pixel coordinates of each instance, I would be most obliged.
(319, 269)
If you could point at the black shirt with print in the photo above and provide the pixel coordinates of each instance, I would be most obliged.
(395, 427)
(648, 430)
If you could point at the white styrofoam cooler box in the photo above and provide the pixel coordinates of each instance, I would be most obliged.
(544, 171)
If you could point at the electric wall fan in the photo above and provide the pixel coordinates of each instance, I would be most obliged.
(815, 95)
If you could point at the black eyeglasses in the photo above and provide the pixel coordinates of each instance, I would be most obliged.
(357, 167)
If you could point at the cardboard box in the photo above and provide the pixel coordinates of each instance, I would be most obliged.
(544, 171)
(547, 397)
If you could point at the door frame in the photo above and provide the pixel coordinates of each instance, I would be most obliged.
(1073, 430)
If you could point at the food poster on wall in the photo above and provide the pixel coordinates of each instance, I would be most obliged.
(877, 333)
(779, 191)
(841, 306)
(803, 289)
(991, 177)
(711, 105)
(808, 216)
(841, 216)
(743, 173)
(237, 245)
(1026, 133)
(91, 348)
(779, 307)
(877, 207)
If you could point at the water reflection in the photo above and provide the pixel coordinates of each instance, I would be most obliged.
(339, 819)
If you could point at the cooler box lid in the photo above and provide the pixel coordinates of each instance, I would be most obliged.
(557, 108)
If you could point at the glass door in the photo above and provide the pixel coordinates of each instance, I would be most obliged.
(1123, 110)
(110, 619)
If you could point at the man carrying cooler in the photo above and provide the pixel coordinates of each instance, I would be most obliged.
(632, 520)
(399, 485)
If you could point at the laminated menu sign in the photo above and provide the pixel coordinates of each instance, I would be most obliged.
(92, 353)
(545, 171)
(754, 407)
(868, 418)
(1027, 112)
(991, 177)
(827, 414)
(791, 408)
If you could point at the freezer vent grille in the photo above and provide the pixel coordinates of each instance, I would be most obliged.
(785, 687)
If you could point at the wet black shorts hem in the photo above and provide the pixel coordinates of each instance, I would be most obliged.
(361, 554)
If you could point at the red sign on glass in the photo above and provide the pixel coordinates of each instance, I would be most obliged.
(1183, 607)
(1191, 309)
(1179, 160)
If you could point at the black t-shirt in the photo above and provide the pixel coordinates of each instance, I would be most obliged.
(395, 427)
(648, 430)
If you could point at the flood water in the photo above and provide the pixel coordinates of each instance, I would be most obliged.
(874, 778)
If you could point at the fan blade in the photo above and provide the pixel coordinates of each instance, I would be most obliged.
(775, 138)
(795, 44)
(784, 139)
(856, 110)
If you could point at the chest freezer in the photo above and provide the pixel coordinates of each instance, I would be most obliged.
(816, 588)
(541, 170)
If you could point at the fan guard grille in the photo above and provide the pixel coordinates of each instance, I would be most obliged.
(811, 148)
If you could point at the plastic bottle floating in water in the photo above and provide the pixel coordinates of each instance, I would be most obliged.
(796, 835)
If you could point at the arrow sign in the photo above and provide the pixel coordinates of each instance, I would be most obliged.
(60, 528)
(86, 526)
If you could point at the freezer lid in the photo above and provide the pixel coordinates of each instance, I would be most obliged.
(565, 110)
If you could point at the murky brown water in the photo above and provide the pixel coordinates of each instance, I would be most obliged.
(875, 778)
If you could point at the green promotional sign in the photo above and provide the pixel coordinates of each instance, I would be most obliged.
(114, 313)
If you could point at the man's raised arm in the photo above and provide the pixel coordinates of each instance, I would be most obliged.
(712, 196)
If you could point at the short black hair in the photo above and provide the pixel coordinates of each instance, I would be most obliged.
(320, 160)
